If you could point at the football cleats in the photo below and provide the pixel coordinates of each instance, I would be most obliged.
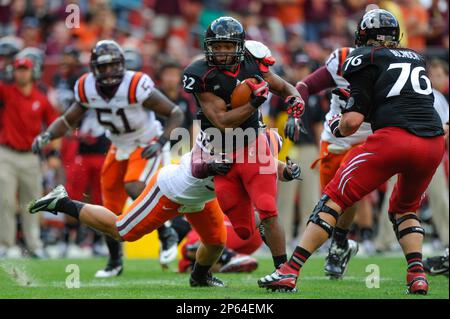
(437, 265)
(338, 257)
(379, 25)
(107, 53)
(283, 279)
(224, 29)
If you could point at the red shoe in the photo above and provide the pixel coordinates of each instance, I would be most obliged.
(240, 263)
(417, 283)
(283, 279)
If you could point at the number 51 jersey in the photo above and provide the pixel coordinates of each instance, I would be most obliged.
(127, 123)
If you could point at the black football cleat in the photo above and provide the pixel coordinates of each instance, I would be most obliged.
(337, 260)
(208, 281)
(48, 202)
(437, 265)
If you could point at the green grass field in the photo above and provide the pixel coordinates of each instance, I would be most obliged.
(145, 279)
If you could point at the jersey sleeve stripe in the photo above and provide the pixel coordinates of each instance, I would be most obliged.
(342, 57)
(133, 86)
(81, 89)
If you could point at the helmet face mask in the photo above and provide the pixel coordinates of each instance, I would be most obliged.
(378, 25)
(224, 43)
(107, 63)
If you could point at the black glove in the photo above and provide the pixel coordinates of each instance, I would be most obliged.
(291, 170)
(260, 91)
(155, 148)
(40, 142)
(292, 129)
(218, 168)
(333, 123)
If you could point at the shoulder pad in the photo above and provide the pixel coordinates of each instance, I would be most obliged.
(197, 68)
(359, 59)
(193, 76)
(257, 49)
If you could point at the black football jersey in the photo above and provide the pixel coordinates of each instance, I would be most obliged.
(400, 93)
(200, 77)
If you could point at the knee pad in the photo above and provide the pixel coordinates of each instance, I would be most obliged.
(322, 208)
(397, 222)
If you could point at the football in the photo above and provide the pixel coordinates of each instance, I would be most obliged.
(241, 93)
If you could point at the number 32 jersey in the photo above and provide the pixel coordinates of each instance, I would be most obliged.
(395, 83)
(127, 123)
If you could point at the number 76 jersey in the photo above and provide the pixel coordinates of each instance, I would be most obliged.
(127, 123)
(395, 82)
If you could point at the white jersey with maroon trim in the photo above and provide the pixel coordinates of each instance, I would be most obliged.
(177, 183)
(334, 66)
(127, 123)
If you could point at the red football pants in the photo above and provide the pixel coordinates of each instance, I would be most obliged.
(389, 151)
(248, 185)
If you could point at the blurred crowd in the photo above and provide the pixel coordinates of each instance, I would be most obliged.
(161, 37)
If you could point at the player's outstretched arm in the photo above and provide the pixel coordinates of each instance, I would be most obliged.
(59, 127)
(315, 82)
(279, 86)
(215, 110)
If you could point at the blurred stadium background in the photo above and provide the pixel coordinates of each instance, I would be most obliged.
(161, 37)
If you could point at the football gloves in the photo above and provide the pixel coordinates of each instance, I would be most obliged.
(333, 123)
(291, 170)
(218, 168)
(260, 91)
(295, 106)
(40, 142)
(154, 149)
(293, 127)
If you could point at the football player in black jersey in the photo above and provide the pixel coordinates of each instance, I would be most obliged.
(389, 89)
(229, 60)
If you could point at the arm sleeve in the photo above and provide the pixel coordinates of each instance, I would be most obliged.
(361, 91)
(317, 81)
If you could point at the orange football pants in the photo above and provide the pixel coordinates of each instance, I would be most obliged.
(152, 208)
(329, 163)
(115, 174)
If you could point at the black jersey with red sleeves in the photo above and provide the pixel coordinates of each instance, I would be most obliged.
(200, 77)
(395, 82)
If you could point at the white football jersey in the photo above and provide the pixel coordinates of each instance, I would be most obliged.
(334, 65)
(127, 123)
(177, 183)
